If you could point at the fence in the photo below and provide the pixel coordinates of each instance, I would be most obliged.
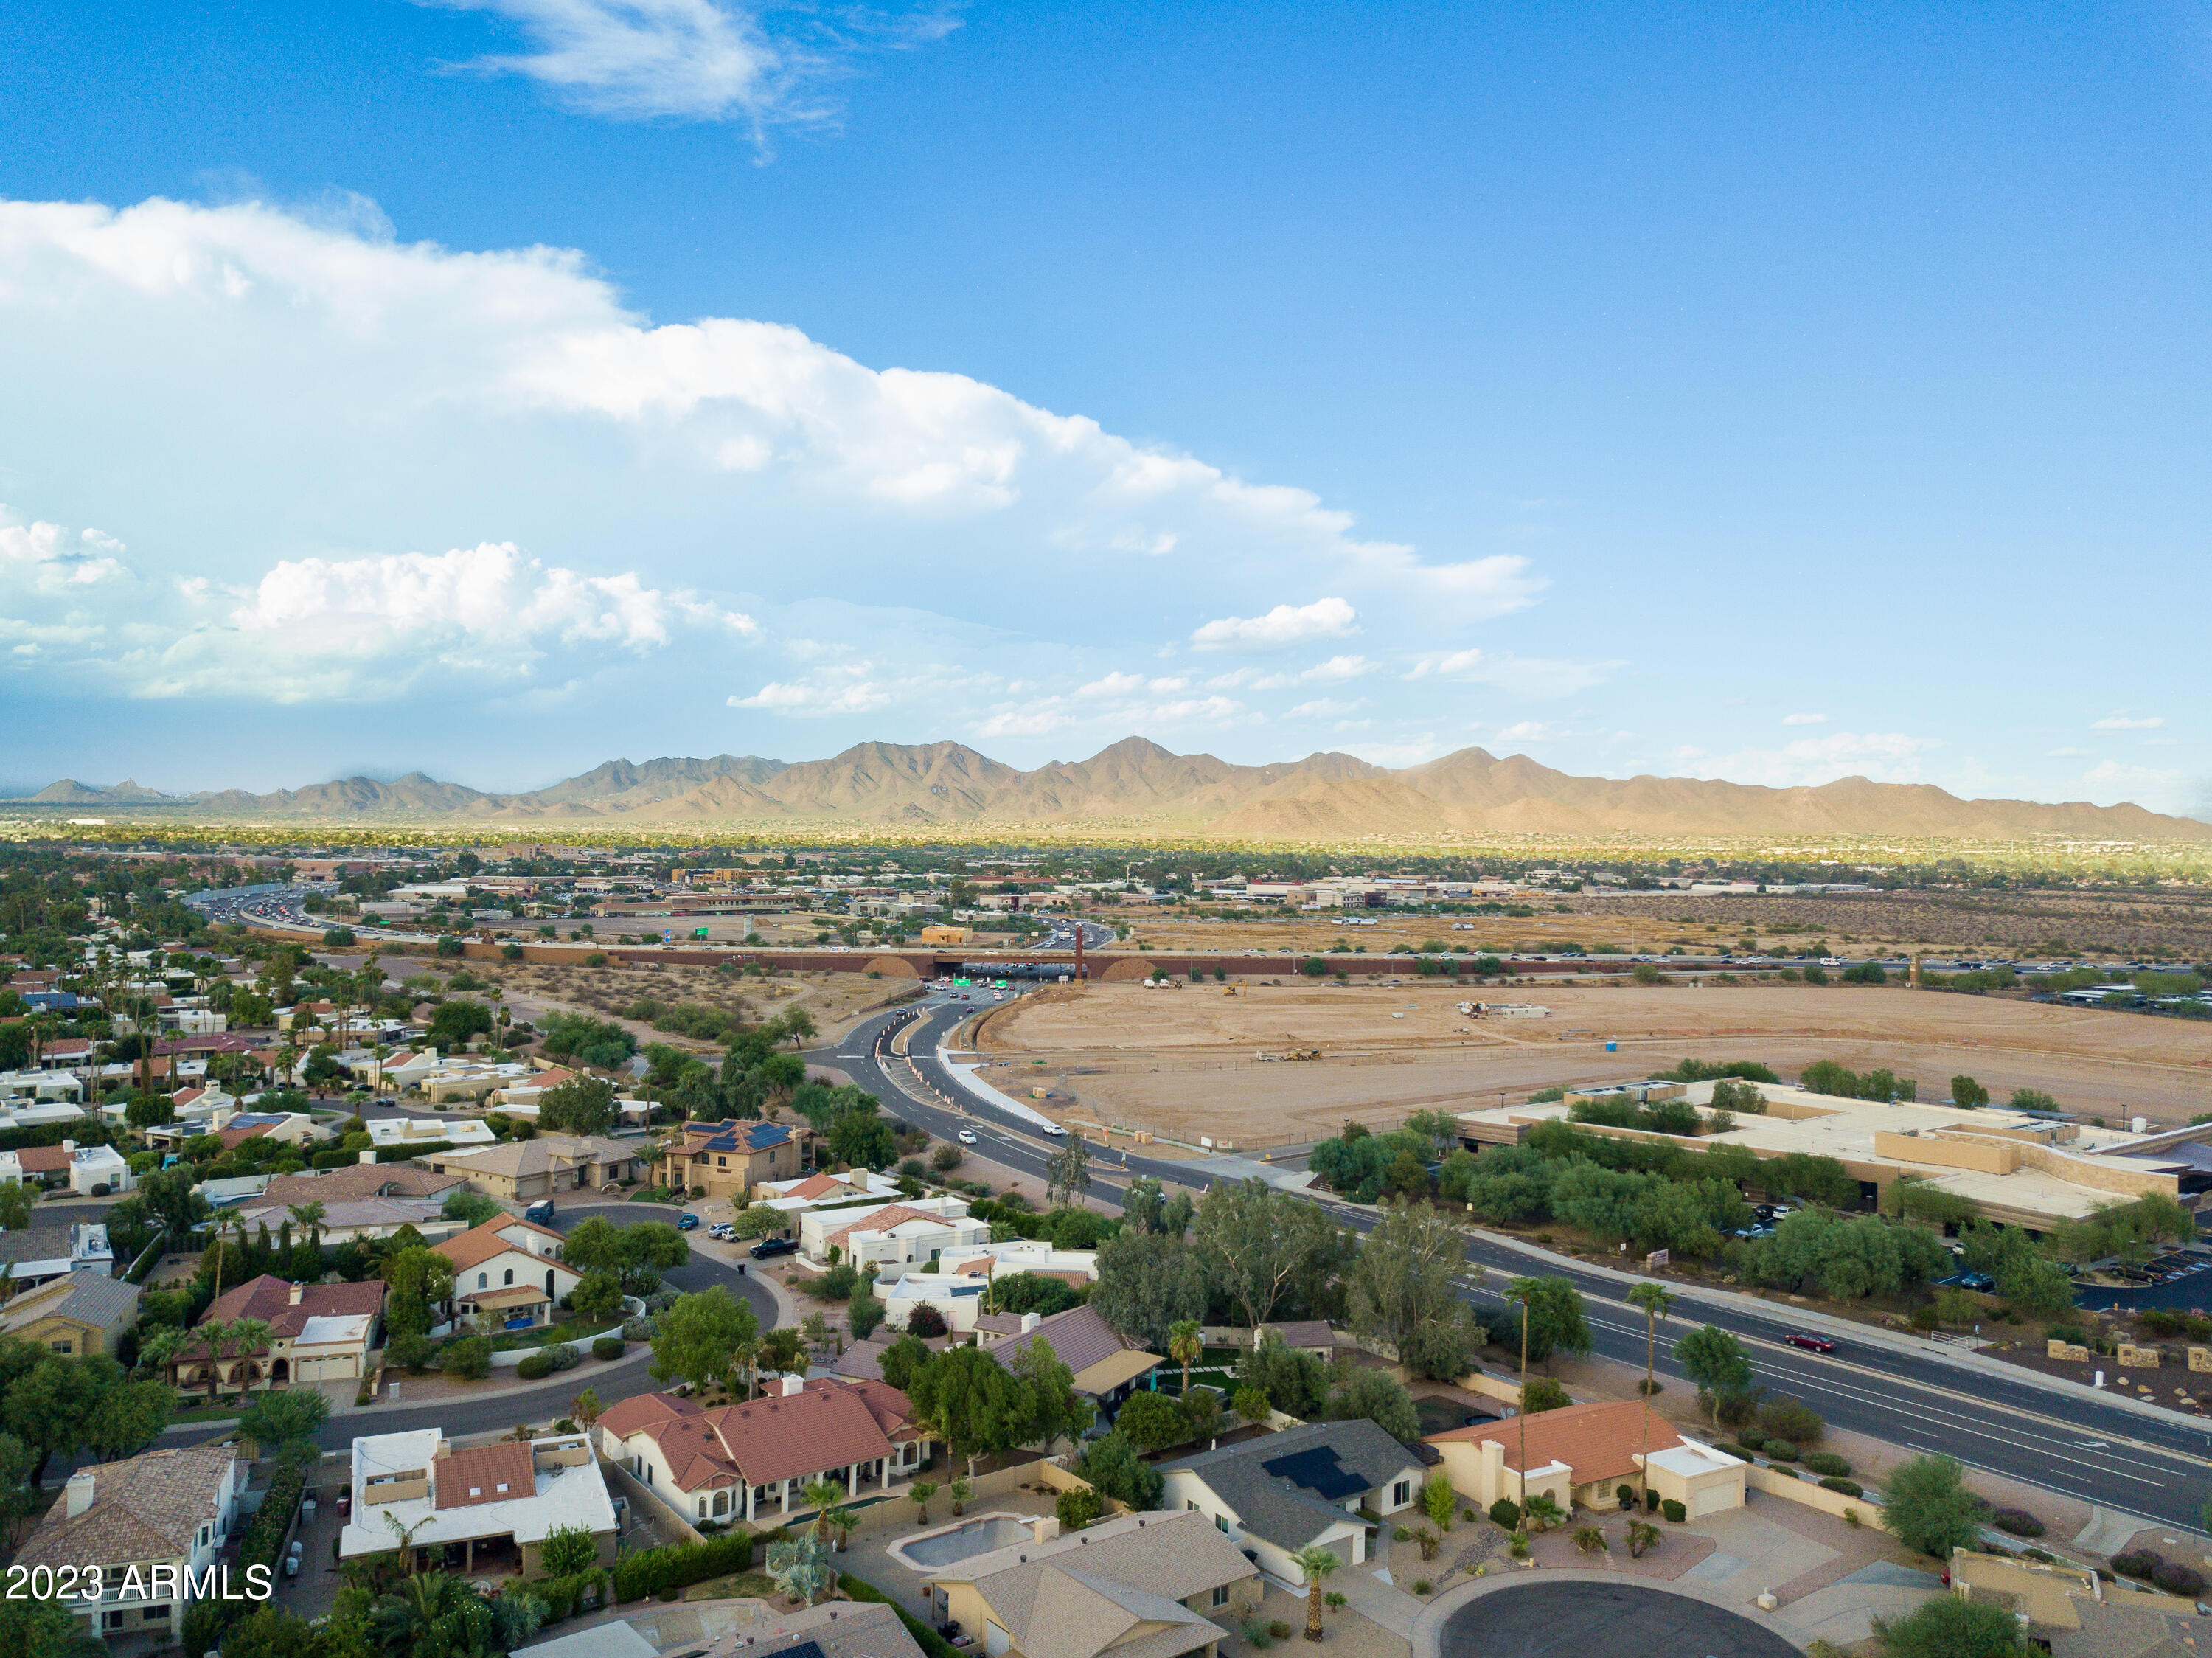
(667, 1518)
(1813, 1495)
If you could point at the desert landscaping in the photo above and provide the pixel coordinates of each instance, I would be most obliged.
(1186, 1061)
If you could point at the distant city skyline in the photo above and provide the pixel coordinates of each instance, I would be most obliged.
(500, 387)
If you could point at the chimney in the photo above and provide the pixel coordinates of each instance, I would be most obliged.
(296, 1290)
(793, 1385)
(369, 1154)
(78, 1493)
(1030, 1322)
(69, 1145)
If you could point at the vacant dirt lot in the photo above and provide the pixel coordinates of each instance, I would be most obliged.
(1184, 1062)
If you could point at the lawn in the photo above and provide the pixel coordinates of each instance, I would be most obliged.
(746, 1585)
(545, 1335)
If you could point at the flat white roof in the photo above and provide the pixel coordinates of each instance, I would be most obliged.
(563, 1496)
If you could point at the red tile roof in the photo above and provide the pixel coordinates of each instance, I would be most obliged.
(270, 1299)
(1599, 1441)
(485, 1474)
(829, 1425)
(43, 1160)
(481, 1243)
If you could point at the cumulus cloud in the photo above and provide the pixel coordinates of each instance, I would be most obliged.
(2121, 722)
(699, 60)
(1334, 671)
(1804, 719)
(1325, 708)
(1283, 626)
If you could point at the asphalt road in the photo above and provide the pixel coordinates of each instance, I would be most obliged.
(2094, 1451)
(1539, 1620)
(622, 1379)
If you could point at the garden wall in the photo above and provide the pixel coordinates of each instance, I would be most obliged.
(1811, 1493)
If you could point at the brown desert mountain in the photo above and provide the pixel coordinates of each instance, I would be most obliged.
(1137, 784)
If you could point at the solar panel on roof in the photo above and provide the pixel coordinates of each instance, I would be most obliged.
(1316, 1470)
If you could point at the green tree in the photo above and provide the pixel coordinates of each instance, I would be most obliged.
(583, 1104)
(863, 1140)
(1186, 1346)
(1947, 1627)
(1259, 1244)
(1152, 1421)
(1297, 1383)
(1555, 1323)
(1380, 1397)
(903, 1360)
(473, 1207)
(1438, 1501)
(420, 1278)
(1067, 1173)
(567, 1550)
(46, 1629)
(1115, 1469)
(468, 1357)
(1148, 1282)
(1408, 1288)
(598, 1296)
(15, 1207)
(1714, 1361)
(1967, 1093)
(863, 1314)
(698, 1337)
(1654, 1300)
(1926, 1506)
(971, 1401)
(282, 1418)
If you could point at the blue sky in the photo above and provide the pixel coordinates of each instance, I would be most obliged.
(498, 388)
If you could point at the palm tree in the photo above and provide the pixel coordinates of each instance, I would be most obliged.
(158, 1349)
(823, 1495)
(226, 1220)
(213, 1332)
(1186, 1345)
(252, 1336)
(1316, 1563)
(1655, 1300)
(310, 1218)
(406, 1546)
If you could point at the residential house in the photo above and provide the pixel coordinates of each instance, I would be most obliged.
(2063, 1609)
(26, 1112)
(27, 1259)
(144, 1521)
(76, 1315)
(728, 1160)
(1321, 1485)
(731, 1462)
(836, 1629)
(318, 1332)
(523, 1171)
(863, 1360)
(352, 1220)
(1584, 1452)
(20, 1089)
(860, 1185)
(911, 1232)
(291, 1128)
(41, 1165)
(1138, 1585)
(1073, 1267)
(1107, 1365)
(387, 1132)
(1313, 1336)
(96, 1171)
(508, 1273)
(356, 1181)
(486, 1510)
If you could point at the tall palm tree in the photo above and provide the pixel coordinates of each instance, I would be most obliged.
(406, 1546)
(1316, 1563)
(1521, 1289)
(159, 1350)
(1655, 1300)
(823, 1495)
(226, 1220)
(213, 1333)
(1186, 1346)
(310, 1218)
(250, 1336)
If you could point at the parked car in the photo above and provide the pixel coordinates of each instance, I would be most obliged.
(687, 1221)
(541, 1211)
(770, 1247)
(1809, 1342)
(722, 1229)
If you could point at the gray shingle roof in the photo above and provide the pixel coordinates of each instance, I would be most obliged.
(1275, 1505)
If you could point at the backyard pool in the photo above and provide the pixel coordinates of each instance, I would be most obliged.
(978, 1536)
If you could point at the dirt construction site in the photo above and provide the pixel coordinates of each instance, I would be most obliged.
(1192, 1061)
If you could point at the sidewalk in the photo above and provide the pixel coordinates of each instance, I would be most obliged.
(1367, 1594)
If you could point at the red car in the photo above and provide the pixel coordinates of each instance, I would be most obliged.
(1811, 1344)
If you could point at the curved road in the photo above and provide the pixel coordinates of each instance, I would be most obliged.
(2084, 1450)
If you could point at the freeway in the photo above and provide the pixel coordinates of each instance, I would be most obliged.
(1925, 1400)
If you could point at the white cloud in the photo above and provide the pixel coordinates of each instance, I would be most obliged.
(1283, 626)
(1324, 708)
(701, 60)
(1804, 719)
(2120, 721)
(1532, 731)
(1112, 685)
(2133, 776)
(843, 688)
(48, 560)
(1532, 676)
(1883, 756)
(1334, 671)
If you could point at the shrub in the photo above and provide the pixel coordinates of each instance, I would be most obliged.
(654, 1572)
(1625, 1496)
(1736, 1451)
(1256, 1634)
(1280, 1630)
(608, 1347)
(637, 1329)
(1673, 1511)
(2018, 1522)
(1421, 1585)
(1848, 1487)
(1077, 1508)
(1784, 1469)
(1505, 1513)
(1791, 1420)
(1780, 1450)
(469, 1357)
(1401, 1535)
(2177, 1579)
(1825, 1462)
(564, 1356)
(2137, 1562)
(536, 1368)
(1750, 1434)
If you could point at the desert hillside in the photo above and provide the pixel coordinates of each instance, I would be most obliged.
(1136, 783)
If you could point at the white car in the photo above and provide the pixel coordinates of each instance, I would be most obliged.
(967, 1136)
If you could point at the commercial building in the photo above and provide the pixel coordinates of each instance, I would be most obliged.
(144, 1521)
(483, 1511)
(2012, 1166)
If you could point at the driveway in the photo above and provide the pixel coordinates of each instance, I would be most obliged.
(1551, 1615)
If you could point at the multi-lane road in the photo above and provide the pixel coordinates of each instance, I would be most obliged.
(2159, 1467)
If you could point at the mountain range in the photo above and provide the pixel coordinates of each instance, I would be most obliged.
(1137, 784)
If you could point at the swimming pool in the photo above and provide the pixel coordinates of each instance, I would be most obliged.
(971, 1536)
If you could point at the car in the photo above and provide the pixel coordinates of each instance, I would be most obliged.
(769, 1247)
(687, 1221)
(722, 1229)
(1055, 1131)
(1809, 1342)
(967, 1136)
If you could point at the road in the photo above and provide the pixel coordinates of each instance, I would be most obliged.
(623, 1379)
(1925, 1400)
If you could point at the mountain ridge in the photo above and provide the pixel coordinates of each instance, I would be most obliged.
(1328, 796)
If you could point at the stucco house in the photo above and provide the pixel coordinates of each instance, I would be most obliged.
(319, 1332)
(76, 1315)
(508, 1273)
(1310, 1486)
(482, 1511)
(728, 1160)
(1106, 1364)
(891, 1237)
(734, 1461)
(1584, 1454)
